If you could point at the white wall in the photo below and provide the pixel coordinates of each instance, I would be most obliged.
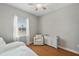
(38, 24)
(6, 21)
(64, 23)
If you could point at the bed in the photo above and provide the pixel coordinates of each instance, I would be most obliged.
(16, 49)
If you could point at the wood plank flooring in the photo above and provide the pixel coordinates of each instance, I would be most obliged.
(46, 50)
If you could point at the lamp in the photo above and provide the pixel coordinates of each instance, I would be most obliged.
(39, 6)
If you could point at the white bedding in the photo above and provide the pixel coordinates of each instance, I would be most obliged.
(20, 51)
(17, 49)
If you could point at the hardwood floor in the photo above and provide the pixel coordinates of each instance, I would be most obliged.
(46, 50)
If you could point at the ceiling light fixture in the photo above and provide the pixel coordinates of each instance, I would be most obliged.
(38, 6)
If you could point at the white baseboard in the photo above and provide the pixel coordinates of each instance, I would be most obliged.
(76, 52)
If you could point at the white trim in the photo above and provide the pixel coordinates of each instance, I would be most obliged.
(73, 51)
(14, 27)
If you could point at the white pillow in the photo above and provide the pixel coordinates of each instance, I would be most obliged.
(2, 42)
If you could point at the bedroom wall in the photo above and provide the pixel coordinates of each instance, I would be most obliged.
(6, 21)
(38, 24)
(63, 22)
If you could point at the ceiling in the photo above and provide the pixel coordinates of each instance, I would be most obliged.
(51, 7)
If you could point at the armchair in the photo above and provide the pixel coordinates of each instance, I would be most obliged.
(38, 39)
